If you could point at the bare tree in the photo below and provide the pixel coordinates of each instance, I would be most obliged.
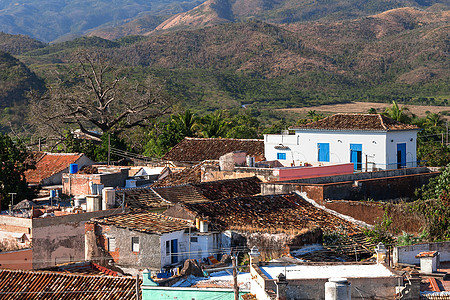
(99, 96)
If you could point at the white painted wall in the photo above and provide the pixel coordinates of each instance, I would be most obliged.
(376, 146)
(183, 239)
(397, 137)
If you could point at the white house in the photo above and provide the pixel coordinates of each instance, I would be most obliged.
(370, 141)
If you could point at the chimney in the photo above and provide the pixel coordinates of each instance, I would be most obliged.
(429, 261)
(338, 289)
(281, 287)
(254, 255)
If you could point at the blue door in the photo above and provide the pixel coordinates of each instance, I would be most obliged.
(174, 250)
(323, 150)
(356, 155)
(401, 155)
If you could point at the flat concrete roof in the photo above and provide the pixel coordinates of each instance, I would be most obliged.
(327, 271)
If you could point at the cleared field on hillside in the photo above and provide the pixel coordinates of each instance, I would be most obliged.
(363, 107)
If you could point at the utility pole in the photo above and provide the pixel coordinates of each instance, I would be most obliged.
(137, 287)
(109, 148)
(12, 200)
(235, 283)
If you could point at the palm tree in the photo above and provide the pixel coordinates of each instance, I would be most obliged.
(397, 113)
(187, 123)
(213, 125)
(434, 120)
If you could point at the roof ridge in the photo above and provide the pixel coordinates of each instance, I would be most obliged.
(219, 139)
(382, 122)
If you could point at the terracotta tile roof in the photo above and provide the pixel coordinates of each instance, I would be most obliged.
(160, 197)
(200, 149)
(83, 267)
(141, 198)
(191, 174)
(272, 213)
(181, 193)
(211, 190)
(230, 188)
(17, 284)
(357, 122)
(49, 164)
(143, 221)
(427, 254)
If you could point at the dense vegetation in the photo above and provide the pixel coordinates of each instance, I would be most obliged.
(14, 162)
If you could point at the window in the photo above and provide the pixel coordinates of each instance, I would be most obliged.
(111, 244)
(135, 244)
(194, 239)
(281, 156)
(167, 248)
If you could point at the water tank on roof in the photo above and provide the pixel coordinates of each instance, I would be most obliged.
(73, 169)
(250, 161)
(203, 226)
(109, 198)
(78, 200)
(93, 203)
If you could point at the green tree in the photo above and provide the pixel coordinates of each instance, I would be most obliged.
(398, 113)
(243, 126)
(434, 205)
(214, 125)
(187, 123)
(14, 161)
(434, 120)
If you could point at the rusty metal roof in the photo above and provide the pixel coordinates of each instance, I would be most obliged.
(200, 149)
(143, 221)
(357, 122)
(18, 284)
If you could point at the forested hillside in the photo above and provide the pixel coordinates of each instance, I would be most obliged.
(396, 55)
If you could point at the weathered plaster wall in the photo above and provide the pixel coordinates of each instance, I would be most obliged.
(149, 255)
(407, 254)
(61, 239)
(212, 173)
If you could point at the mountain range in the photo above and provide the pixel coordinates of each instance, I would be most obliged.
(52, 21)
